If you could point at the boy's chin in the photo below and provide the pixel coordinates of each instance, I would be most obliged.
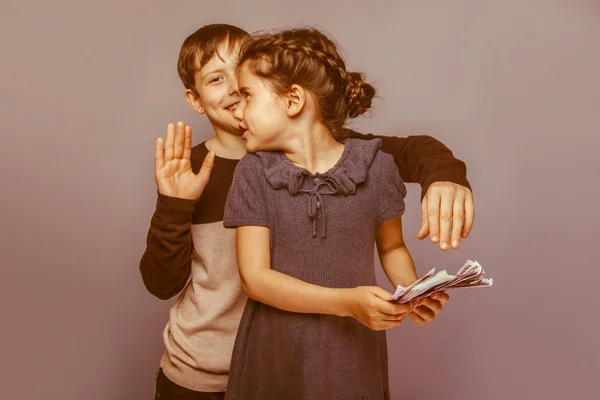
(235, 131)
(229, 125)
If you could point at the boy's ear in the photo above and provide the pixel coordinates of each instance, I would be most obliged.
(194, 101)
(295, 100)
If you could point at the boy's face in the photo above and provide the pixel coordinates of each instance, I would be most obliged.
(262, 112)
(217, 87)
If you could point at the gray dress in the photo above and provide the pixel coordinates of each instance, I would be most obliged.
(323, 229)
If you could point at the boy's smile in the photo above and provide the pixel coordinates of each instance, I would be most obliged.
(217, 88)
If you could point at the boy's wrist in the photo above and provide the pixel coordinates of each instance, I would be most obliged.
(174, 210)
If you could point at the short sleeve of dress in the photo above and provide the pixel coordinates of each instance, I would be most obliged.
(392, 190)
(246, 203)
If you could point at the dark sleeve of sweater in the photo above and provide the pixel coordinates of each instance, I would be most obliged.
(166, 263)
(421, 159)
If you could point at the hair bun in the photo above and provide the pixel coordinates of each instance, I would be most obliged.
(359, 94)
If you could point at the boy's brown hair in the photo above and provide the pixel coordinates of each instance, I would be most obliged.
(202, 45)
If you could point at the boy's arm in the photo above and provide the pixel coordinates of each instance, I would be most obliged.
(421, 159)
(166, 263)
(447, 206)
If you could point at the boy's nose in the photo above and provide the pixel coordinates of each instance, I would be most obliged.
(233, 87)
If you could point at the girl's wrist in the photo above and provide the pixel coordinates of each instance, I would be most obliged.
(342, 306)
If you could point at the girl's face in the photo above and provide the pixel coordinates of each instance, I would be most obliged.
(262, 113)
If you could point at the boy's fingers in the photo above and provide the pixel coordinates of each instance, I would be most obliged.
(179, 141)
(187, 145)
(458, 221)
(469, 215)
(424, 231)
(446, 203)
(433, 215)
(169, 142)
(159, 160)
(207, 166)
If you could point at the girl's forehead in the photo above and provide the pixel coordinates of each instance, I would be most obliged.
(246, 76)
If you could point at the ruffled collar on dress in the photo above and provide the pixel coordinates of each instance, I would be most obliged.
(344, 177)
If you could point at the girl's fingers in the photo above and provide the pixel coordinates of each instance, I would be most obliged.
(417, 319)
(424, 312)
(431, 304)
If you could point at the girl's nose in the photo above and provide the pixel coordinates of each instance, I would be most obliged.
(238, 113)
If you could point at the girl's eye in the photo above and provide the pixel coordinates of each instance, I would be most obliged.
(215, 79)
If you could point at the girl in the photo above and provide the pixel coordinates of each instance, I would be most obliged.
(307, 216)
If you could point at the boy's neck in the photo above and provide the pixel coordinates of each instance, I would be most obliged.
(227, 145)
(314, 149)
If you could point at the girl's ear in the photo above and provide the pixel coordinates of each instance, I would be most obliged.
(295, 100)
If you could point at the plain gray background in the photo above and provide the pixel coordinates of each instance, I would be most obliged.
(510, 86)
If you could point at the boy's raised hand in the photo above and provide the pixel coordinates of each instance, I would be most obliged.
(172, 168)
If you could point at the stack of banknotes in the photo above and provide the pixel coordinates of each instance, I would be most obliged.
(471, 275)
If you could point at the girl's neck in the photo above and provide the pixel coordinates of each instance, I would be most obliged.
(314, 149)
(227, 145)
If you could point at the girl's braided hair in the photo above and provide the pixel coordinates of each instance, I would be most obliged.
(307, 57)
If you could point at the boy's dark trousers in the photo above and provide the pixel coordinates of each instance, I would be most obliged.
(168, 390)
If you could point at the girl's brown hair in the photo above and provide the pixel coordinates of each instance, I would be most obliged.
(307, 57)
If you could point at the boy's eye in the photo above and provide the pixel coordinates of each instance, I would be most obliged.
(215, 79)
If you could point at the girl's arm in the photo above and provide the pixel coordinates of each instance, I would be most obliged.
(393, 254)
(278, 290)
(400, 270)
(367, 304)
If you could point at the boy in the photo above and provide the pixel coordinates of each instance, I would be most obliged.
(191, 253)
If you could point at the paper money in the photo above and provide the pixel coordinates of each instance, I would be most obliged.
(471, 275)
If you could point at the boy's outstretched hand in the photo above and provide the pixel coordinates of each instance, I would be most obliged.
(172, 168)
(447, 214)
(425, 310)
